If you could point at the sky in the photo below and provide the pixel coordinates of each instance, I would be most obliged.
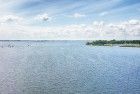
(69, 19)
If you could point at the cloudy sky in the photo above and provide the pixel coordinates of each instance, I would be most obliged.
(69, 19)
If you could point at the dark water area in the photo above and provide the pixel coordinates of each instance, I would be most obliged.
(67, 67)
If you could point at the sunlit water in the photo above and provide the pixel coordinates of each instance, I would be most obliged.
(68, 67)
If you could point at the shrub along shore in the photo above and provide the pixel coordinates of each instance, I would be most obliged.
(120, 43)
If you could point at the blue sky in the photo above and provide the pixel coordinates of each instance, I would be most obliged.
(46, 14)
(106, 10)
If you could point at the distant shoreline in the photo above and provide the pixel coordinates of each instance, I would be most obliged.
(120, 43)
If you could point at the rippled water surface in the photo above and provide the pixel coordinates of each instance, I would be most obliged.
(67, 67)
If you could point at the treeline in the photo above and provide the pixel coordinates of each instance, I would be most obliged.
(107, 42)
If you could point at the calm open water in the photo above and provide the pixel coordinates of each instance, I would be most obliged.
(67, 67)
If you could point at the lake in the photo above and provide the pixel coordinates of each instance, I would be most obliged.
(67, 67)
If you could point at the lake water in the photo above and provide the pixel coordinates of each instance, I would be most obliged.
(67, 67)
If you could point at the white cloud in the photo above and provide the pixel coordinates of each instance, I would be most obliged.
(42, 17)
(95, 30)
(10, 18)
(134, 22)
(98, 23)
(78, 15)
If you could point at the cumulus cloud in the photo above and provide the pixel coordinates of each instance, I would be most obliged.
(96, 30)
(42, 17)
(134, 22)
(99, 30)
(98, 23)
(10, 18)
